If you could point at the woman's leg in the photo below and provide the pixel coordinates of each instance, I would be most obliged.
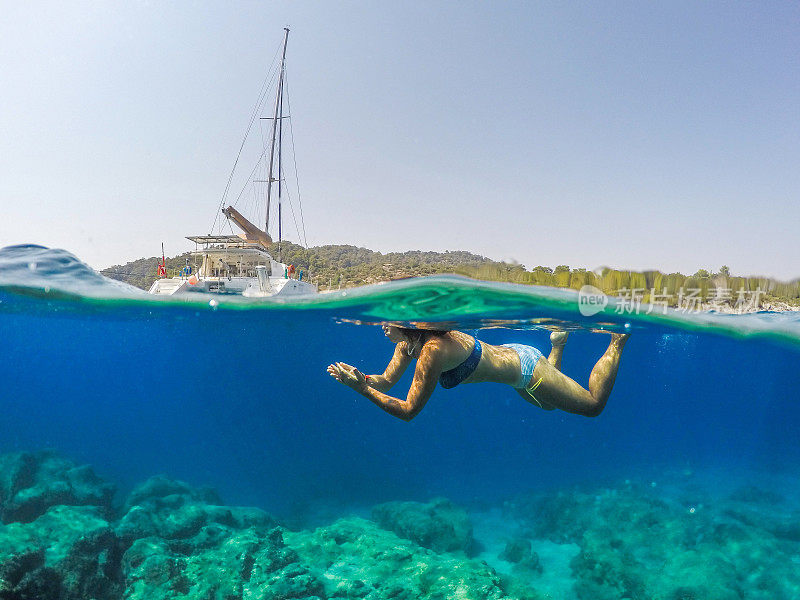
(558, 339)
(559, 391)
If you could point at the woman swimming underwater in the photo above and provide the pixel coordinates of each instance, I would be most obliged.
(452, 357)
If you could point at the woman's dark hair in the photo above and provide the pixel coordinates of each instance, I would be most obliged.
(421, 335)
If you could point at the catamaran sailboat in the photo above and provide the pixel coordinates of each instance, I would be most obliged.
(242, 264)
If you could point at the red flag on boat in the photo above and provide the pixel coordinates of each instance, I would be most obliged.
(162, 266)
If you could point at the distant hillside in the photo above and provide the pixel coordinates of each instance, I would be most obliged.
(346, 266)
(334, 265)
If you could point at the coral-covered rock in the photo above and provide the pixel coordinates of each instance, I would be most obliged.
(519, 552)
(31, 483)
(184, 542)
(23, 576)
(175, 541)
(636, 545)
(70, 552)
(173, 510)
(160, 487)
(244, 563)
(439, 525)
(354, 558)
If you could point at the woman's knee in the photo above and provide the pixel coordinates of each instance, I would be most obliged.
(593, 407)
(593, 411)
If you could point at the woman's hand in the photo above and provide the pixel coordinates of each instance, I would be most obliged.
(348, 375)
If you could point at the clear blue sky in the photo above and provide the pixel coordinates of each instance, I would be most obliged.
(636, 135)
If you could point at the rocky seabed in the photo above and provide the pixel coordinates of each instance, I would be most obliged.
(65, 535)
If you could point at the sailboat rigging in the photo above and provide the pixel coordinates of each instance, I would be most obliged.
(241, 264)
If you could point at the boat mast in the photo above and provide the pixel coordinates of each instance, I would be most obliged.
(277, 117)
(280, 175)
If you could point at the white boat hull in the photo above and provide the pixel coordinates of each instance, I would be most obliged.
(249, 287)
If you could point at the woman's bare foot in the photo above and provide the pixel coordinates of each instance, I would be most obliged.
(619, 339)
(558, 339)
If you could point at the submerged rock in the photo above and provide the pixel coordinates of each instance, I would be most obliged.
(70, 553)
(23, 576)
(173, 510)
(636, 545)
(32, 482)
(176, 541)
(438, 525)
(245, 564)
(518, 551)
(185, 544)
(354, 558)
(159, 487)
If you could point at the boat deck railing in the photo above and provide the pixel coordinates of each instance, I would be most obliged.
(224, 241)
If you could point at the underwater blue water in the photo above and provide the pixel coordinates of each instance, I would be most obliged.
(236, 396)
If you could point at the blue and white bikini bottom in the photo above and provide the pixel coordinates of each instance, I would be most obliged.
(528, 357)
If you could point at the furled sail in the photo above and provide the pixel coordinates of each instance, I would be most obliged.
(251, 233)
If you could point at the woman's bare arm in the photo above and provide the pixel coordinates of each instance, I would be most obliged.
(391, 375)
(426, 376)
(394, 370)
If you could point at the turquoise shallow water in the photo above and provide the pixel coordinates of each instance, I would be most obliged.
(233, 394)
